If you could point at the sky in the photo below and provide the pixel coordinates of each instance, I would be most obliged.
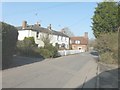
(74, 15)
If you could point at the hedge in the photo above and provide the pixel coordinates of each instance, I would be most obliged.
(9, 39)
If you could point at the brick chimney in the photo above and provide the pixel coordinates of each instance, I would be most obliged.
(49, 27)
(24, 24)
(86, 35)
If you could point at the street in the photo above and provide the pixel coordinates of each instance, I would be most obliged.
(60, 45)
(73, 71)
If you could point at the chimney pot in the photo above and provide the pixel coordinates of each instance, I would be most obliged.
(38, 24)
(49, 27)
(63, 31)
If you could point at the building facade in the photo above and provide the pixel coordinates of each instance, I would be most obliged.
(39, 32)
(79, 43)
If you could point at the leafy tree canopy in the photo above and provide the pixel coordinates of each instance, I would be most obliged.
(105, 18)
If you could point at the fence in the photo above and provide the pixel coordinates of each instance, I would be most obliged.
(68, 52)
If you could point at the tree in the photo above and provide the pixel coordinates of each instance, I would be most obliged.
(9, 39)
(67, 32)
(119, 14)
(105, 18)
(46, 38)
(91, 43)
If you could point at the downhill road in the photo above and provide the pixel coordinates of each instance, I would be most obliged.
(73, 71)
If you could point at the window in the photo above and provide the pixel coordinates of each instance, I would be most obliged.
(63, 45)
(37, 34)
(77, 42)
(57, 37)
(61, 38)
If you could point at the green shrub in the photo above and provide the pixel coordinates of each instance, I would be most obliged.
(9, 39)
(29, 41)
(53, 50)
(48, 51)
(26, 51)
(107, 57)
(107, 45)
(44, 52)
(27, 47)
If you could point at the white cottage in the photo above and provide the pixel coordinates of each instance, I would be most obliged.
(37, 32)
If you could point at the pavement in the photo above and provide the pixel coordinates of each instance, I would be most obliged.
(108, 76)
(72, 71)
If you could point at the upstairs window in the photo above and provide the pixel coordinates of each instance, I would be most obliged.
(37, 34)
(77, 42)
(57, 37)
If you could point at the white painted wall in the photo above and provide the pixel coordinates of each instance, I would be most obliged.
(26, 33)
(64, 40)
(22, 34)
(68, 52)
(54, 38)
(38, 40)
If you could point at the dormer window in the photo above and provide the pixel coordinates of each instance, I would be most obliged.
(77, 42)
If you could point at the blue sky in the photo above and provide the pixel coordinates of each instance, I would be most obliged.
(74, 15)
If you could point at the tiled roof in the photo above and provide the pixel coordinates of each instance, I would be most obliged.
(42, 29)
(83, 40)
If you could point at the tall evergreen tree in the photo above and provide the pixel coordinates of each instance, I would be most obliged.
(105, 18)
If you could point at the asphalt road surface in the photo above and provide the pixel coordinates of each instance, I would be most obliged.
(73, 71)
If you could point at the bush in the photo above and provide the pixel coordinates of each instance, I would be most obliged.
(48, 51)
(27, 47)
(44, 52)
(107, 45)
(53, 50)
(107, 57)
(29, 41)
(27, 51)
(9, 39)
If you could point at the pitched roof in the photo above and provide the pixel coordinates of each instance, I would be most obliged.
(42, 29)
(83, 40)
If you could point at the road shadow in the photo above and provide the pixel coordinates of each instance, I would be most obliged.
(107, 79)
(21, 60)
